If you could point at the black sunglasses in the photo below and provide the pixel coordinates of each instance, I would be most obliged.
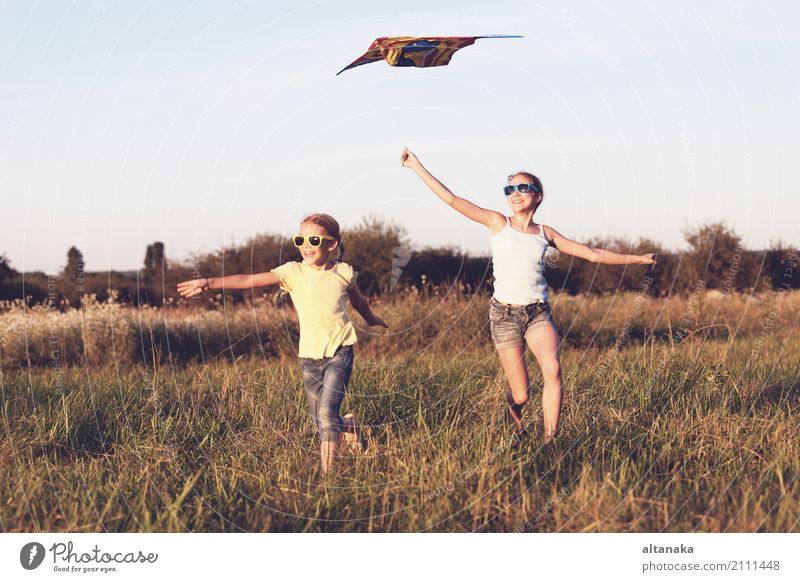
(523, 189)
(314, 240)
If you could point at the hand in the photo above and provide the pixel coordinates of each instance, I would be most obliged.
(408, 159)
(647, 259)
(377, 321)
(193, 287)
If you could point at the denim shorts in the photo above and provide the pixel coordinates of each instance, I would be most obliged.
(325, 381)
(511, 324)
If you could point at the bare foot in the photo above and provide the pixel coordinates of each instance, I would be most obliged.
(550, 437)
(351, 436)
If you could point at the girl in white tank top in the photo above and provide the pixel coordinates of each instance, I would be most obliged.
(519, 312)
(518, 264)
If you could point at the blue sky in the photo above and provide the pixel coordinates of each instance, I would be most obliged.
(201, 124)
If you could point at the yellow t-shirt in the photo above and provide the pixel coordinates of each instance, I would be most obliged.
(319, 298)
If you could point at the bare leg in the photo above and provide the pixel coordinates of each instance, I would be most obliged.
(545, 344)
(327, 453)
(512, 361)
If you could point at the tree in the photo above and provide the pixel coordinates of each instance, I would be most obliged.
(72, 277)
(714, 256)
(155, 265)
(154, 259)
(575, 275)
(371, 247)
(75, 265)
(782, 266)
(6, 272)
(259, 253)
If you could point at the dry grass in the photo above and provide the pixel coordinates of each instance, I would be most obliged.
(102, 334)
(658, 435)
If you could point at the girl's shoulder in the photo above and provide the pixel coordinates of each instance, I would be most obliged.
(288, 274)
(287, 267)
(499, 225)
(347, 273)
(345, 270)
(547, 231)
(343, 265)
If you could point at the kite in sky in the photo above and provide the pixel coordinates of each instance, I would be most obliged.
(415, 51)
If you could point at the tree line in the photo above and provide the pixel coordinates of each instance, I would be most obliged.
(387, 262)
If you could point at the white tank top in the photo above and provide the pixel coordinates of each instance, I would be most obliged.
(518, 263)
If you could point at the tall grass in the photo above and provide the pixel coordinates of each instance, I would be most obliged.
(111, 333)
(658, 434)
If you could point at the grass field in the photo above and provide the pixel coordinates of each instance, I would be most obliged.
(116, 428)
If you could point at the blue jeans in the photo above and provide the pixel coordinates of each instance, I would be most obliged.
(325, 381)
(511, 325)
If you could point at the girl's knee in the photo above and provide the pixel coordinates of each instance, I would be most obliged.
(552, 371)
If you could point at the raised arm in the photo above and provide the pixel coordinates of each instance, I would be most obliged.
(196, 286)
(491, 219)
(595, 255)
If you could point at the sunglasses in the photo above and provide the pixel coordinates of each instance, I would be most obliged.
(522, 188)
(314, 240)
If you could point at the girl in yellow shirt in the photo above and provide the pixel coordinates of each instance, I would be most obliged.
(318, 286)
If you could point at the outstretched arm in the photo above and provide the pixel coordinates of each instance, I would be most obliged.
(494, 221)
(361, 304)
(595, 255)
(196, 286)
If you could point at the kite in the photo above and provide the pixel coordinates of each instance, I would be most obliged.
(416, 51)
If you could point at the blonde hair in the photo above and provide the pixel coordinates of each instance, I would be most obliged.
(330, 224)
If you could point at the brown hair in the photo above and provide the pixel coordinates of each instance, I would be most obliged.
(330, 225)
(533, 179)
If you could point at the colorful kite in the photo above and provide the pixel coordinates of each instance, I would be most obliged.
(415, 51)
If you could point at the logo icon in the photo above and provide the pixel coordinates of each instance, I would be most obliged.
(402, 255)
(31, 555)
(551, 257)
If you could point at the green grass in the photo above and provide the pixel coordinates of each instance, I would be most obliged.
(701, 435)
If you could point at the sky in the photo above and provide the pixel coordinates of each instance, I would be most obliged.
(202, 124)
